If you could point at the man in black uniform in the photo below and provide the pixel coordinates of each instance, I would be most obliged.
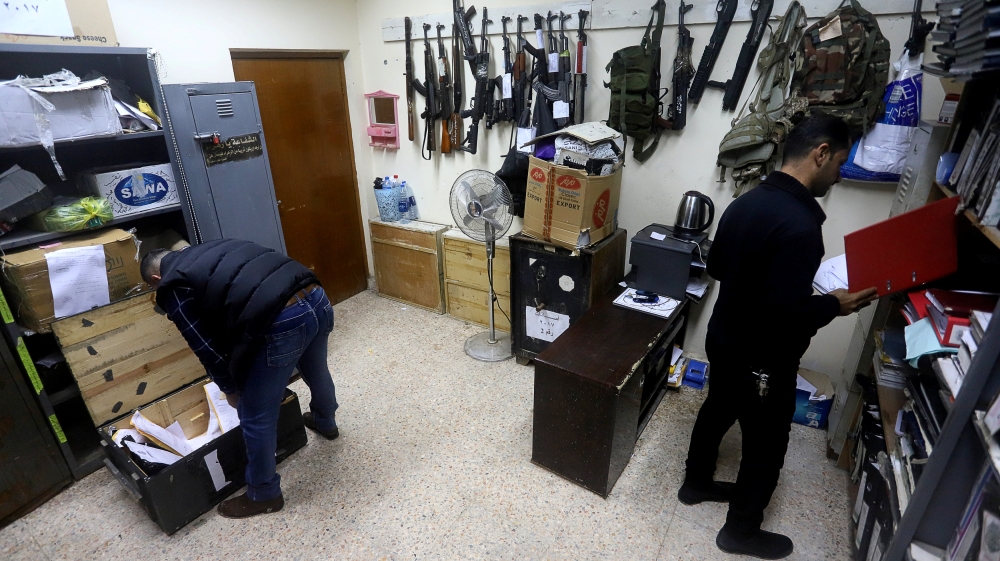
(251, 315)
(767, 250)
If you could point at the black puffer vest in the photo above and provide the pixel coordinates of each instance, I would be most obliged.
(239, 288)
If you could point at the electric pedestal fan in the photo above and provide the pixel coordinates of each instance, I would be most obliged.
(480, 203)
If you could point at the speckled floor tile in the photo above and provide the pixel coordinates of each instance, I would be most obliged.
(433, 462)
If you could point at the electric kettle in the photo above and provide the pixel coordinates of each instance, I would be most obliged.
(691, 214)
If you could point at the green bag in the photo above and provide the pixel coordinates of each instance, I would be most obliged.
(635, 89)
(842, 66)
(72, 215)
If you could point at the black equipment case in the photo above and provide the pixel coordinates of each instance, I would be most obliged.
(185, 490)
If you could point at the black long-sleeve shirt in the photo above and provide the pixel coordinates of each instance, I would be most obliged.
(767, 250)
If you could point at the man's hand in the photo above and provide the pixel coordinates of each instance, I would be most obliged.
(232, 399)
(851, 302)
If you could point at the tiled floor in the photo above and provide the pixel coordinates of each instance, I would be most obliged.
(433, 462)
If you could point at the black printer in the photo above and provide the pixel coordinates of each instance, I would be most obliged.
(664, 261)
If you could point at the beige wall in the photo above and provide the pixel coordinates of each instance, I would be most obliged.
(194, 38)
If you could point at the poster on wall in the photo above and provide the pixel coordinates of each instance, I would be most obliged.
(89, 23)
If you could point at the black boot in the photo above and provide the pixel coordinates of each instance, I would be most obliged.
(692, 493)
(310, 422)
(765, 545)
(243, 507)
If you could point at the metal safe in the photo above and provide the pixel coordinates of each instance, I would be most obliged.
(220, 160)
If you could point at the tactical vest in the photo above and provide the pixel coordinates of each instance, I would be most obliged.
(635, 88)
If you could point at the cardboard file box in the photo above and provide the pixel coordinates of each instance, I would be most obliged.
(131, 191)
(186, 489)
(82, 111)
(813, 412)
(569, 208)
(26, 275)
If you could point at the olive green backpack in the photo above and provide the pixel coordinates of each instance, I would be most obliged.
(635, 89)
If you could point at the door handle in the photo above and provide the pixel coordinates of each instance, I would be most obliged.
(212, 137)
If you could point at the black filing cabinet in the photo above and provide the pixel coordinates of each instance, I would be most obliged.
(552, 287)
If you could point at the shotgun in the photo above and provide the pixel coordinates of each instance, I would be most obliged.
(580, 71)
(760, 11)
(726, 10)
(457, 77)
(683, 70)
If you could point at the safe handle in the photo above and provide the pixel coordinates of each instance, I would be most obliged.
(125, 480)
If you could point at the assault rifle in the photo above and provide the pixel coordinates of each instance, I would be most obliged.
(505, 105)
(455, 120)
(919, 28)
(683, 70)
(726, 10)
(553, 62)
(411, 115)
(580, 72)
(444, 83)
(479, 64)
(519, 72)
(427, 89)
(760, 11)
(491, 83)
(559, 92)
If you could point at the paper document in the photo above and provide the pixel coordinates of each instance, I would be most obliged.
(126, 110)
(122, 433)
(40, 17)
(675, 355)
(832, 274)
(150, 454)
(215, 470)
(697, 287)
(229, 419)
(663, 307)
(544, 324)
(78, 278)
(921, 340)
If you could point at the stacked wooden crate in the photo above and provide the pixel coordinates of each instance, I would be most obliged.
(466, 282)
(407, 260)
(125, 355)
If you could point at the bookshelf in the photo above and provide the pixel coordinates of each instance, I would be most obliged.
(991, 232)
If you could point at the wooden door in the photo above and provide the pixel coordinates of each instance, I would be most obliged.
(304, 112)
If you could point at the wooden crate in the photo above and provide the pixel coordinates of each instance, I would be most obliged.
(408, 264)
(467, 284)
(125, 355)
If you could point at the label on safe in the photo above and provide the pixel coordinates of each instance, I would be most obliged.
(543, 324)
(233, 149)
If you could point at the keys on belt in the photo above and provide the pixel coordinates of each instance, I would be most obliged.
(762, 377)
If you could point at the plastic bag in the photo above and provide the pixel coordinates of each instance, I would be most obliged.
(68, 215)
(880, 155)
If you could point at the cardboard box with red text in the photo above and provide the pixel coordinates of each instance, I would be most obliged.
(567, 207)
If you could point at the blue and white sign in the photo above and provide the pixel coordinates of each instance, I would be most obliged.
(131, 191)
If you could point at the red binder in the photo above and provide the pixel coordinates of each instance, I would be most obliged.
(904, 251)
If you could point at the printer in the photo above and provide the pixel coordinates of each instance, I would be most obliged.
(664, 261)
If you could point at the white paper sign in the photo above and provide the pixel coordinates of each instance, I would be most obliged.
(36, 17)
(583, 60)
(507, 92)
(553, 62)
(560, 110)
(78, 278)
(657, 236)
(543, 324)
(524, 136)
(215, 470)
(150, 454)
(539, 39)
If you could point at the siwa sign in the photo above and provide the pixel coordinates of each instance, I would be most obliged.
(151, 189)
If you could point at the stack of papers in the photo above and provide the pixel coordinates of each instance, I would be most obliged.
(921, 340)
(979, 322)
(222, 418)
(832, 275)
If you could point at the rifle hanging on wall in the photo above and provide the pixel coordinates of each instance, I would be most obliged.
(444, 83)
(411, 114)
(683, 71)
(580, 71)
(760, 11)
(726, 10)
(427, 89)
(484, 47)
(479, 64)
(919, 29)
(455, 120)
(505, 82)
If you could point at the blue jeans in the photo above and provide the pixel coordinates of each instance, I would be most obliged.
(298, 336)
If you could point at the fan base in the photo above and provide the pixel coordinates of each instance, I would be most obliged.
(479, 347)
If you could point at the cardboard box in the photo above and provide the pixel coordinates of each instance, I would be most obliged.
(92, 25)
(812, 408)
(83, 111)
(156, 188)
(26, 276)
(568, 208)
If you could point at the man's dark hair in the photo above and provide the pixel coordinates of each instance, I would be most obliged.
(818, 128)
(151, 264)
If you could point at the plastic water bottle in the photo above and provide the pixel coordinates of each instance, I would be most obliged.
(404, 203)
(414, 215)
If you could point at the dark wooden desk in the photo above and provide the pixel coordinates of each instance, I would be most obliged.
(596, 387)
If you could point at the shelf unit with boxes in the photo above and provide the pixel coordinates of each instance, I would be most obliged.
(38, 354)
(924, 505)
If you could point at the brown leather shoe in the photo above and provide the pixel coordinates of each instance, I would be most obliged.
(243, 507)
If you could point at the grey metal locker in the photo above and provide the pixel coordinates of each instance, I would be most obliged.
(220, 159)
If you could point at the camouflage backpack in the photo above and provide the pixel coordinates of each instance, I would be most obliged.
(635, 88)
(843, 66)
